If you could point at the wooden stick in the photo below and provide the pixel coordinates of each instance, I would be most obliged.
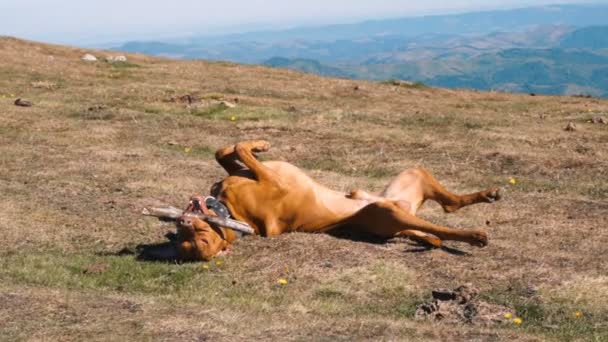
(174, 214)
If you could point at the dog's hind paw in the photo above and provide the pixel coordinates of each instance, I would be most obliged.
(491, 195)
(260, 146)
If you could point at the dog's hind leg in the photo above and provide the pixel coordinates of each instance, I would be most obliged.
(228, 159)
(387, 219)
(417, 185)
(264, 175)
(419, 236)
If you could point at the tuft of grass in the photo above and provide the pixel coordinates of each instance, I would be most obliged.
(597, 191)
(124, 65)
(473, 125)
(406, 84)
(152, 110)
(211, 112)
(328, 293)
(428, 120)
(101, 115)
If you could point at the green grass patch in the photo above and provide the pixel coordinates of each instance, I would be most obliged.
(229, 283)
(119, 70)
(351, 294)
(152, 110)
(597, 191)
(123, 273)
(187, 282)
(211, 112)
(556, 320)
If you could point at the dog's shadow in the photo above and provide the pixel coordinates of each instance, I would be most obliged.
(153, 252)
(167, 252)
(414, 246)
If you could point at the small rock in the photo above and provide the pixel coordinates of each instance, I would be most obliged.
(443, 294)
(22, 103)
(96, 108)
(403, 83)
(228, 104)
(188, 98)
(113, 59)
(48, 85)
(89, 58)
(571, 127)
(132, 307)
(532, 94)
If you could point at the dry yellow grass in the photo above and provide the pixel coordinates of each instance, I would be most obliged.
(103, 141)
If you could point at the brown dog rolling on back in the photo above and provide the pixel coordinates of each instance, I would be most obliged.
(276, 197)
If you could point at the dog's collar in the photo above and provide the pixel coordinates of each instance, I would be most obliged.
(219, 208)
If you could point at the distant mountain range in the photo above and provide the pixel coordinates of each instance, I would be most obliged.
(548, 50)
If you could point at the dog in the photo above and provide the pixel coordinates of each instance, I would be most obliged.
(276, 197)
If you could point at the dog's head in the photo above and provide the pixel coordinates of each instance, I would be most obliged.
(199, 240)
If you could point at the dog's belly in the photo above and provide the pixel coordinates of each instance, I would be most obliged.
(305, 205)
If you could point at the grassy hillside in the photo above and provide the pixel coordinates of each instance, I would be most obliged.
(103, 140)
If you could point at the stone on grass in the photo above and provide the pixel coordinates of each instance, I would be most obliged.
(570, 127)
(22, 103)
(113, 59)
(89, 58)
(227, 104)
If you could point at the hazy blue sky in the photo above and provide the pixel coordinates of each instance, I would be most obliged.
(86, 21)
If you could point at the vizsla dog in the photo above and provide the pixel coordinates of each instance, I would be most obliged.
(276, 197)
